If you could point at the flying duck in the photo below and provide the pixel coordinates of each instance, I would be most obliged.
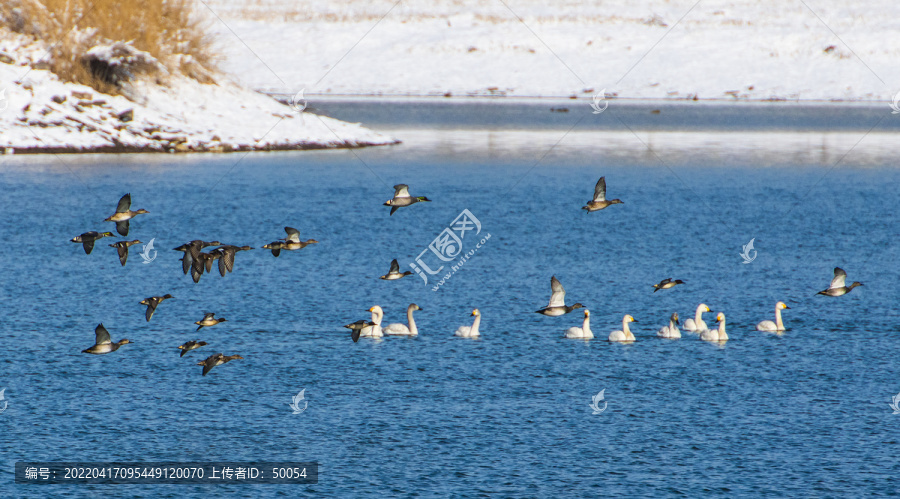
(122, 248)
(666, 284)
(87, 239)
(209, 320)
(216, 360)
(191, 251)
(395, 273)
(356, 327)
(402, 198)
(838, 287)
(103, 344)
(123, 214)
(152, 303)
(557, 305)
(191, 345)
(599, 202)
(226, 257)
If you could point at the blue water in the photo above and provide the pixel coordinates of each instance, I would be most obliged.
(804, 413)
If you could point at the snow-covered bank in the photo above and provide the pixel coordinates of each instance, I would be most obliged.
(170, 113)
(716, 49)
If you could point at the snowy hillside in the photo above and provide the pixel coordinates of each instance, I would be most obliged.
(174, 113)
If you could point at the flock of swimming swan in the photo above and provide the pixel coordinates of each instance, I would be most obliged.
(557, 307)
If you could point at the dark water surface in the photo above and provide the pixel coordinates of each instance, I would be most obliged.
(804, 413)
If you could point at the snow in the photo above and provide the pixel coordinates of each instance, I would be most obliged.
(40, 113)
(731, 50)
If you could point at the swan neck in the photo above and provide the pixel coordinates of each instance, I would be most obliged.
(475, 324)
(586, 327)
(699, 315)
(412, 322)
(625, 328)
(376, 317)
(778, 323)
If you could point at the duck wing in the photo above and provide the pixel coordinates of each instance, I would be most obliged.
(194, 249)
(600, 190)
(840, 278)
(186, 262)
(393, 209)
(124, 204)
(123, 253)
(293, 234)
(102, 335)
(196, 270)
(122, 227)
(207, 263)
(222, 265)
(151, 307)
(395, 267)
(401, 191)
(88, 244)
(558, 296)
(228, 258)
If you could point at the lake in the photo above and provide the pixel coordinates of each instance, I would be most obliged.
(803, 413)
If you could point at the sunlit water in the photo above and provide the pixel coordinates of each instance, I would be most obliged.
(803, 413)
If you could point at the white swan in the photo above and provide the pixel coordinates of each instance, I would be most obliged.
(696, 325)
(670, 331)
(776, 326)
(398, 329)
(625, 333)
(584, 332)
(716, 334)
(374, 331)
(470, 332)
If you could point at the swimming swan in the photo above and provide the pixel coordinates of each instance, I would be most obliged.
(670, 331)
(625, 333)
(374, 331)
(696, 325)
(716, 334)
(470, 332)
(774, 326)
(398, 329)
(584, 332)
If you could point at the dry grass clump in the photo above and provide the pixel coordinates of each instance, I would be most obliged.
(165, 30)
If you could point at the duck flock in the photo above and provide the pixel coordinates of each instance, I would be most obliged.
(197, 262)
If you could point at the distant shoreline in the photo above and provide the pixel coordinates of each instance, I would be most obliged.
(122, 149)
